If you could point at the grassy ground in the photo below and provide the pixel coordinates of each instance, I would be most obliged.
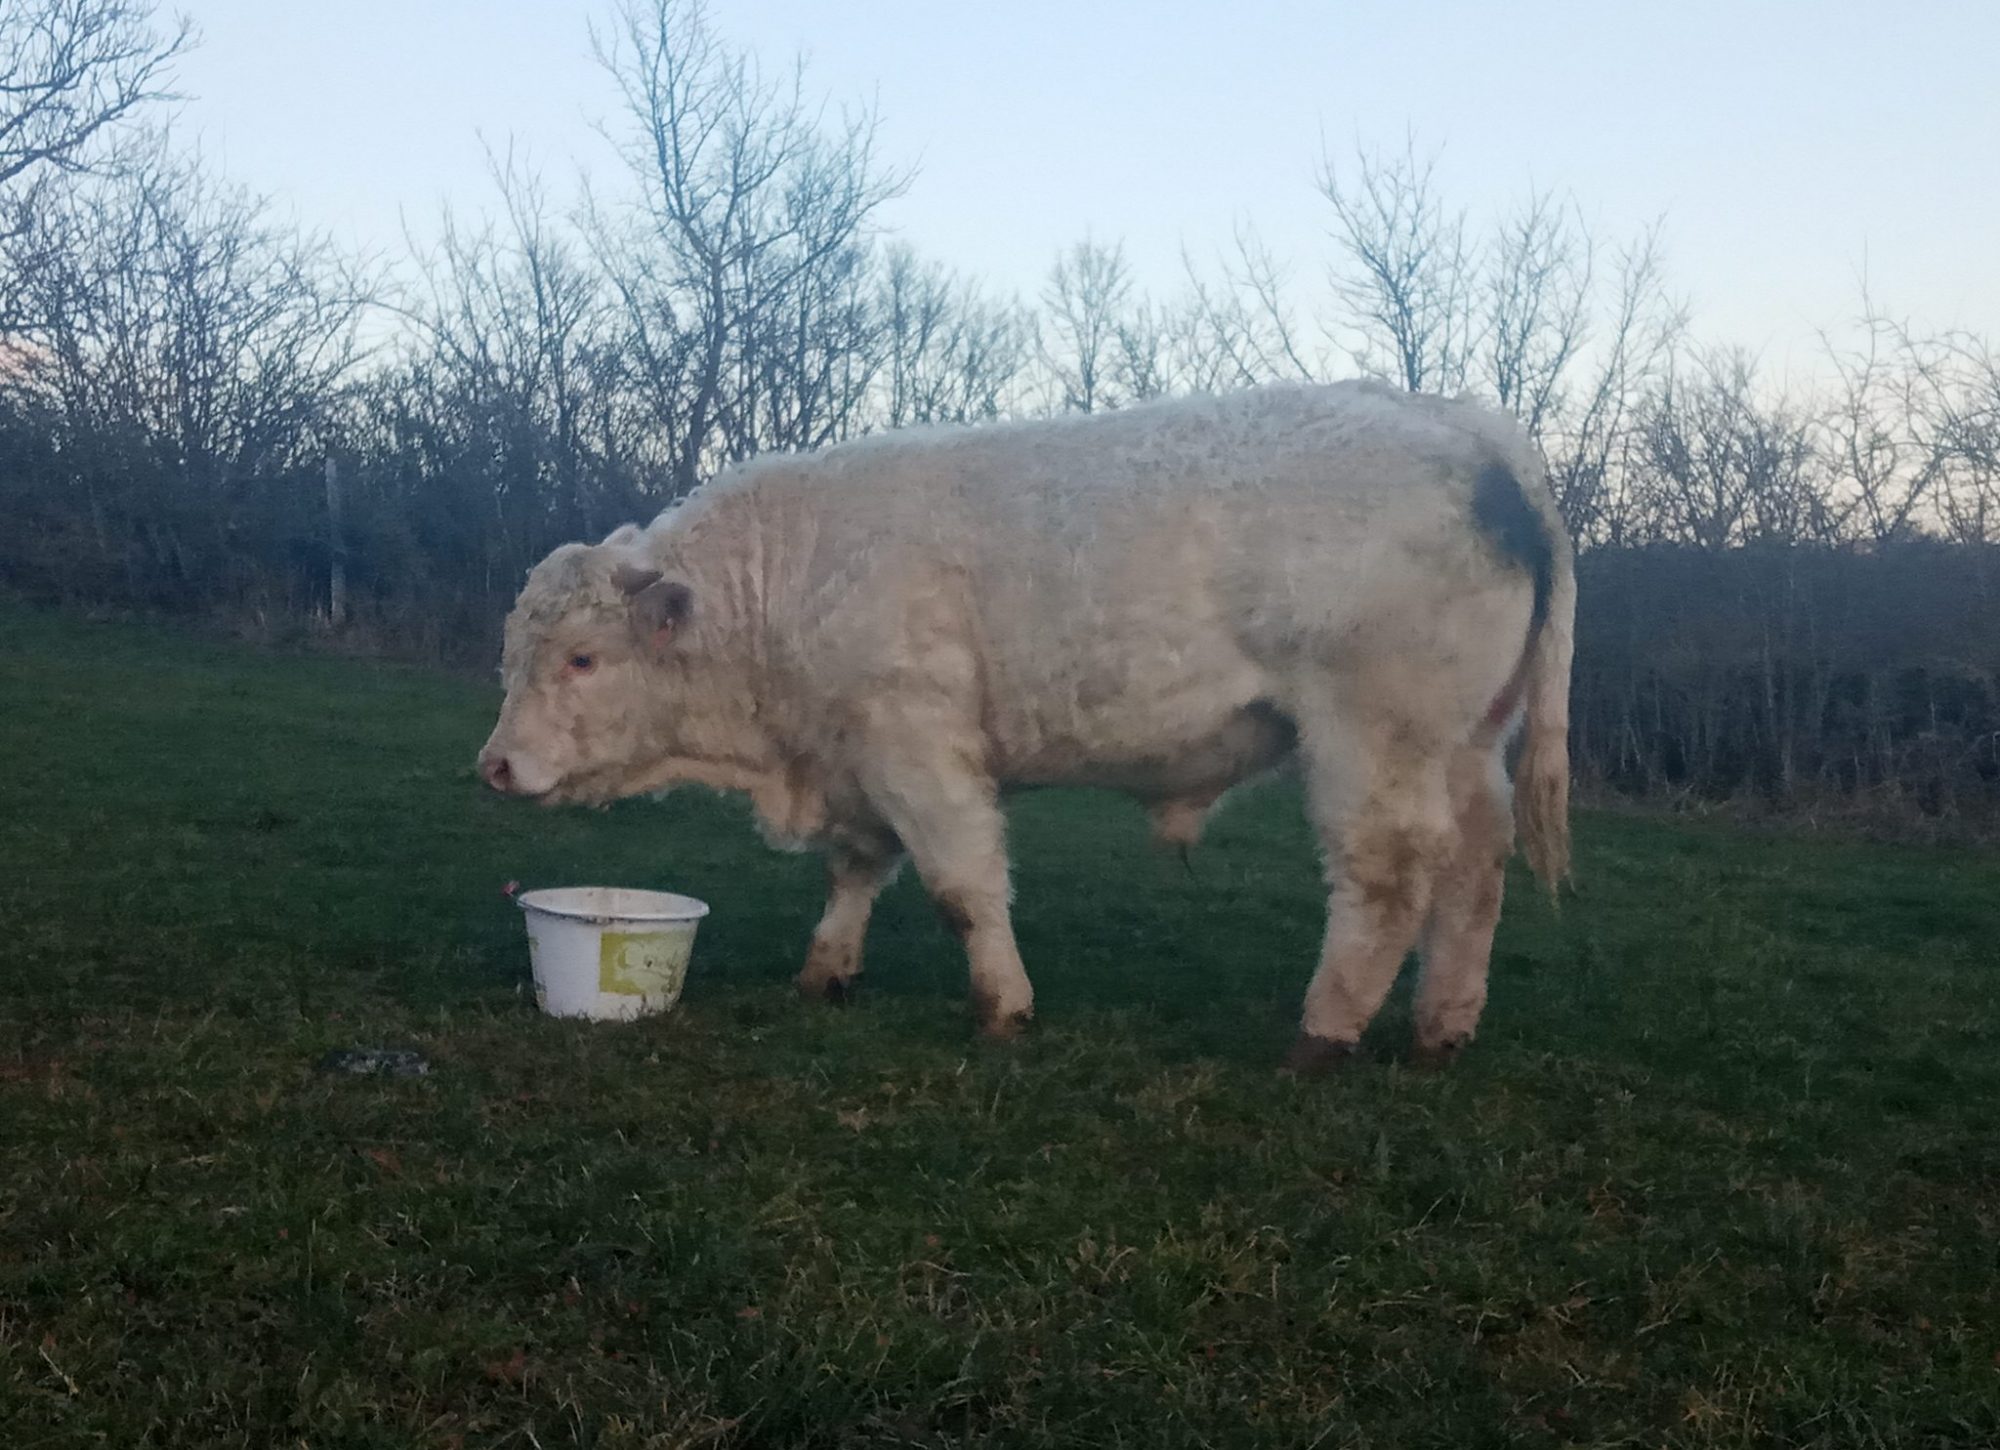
(1721, 1170)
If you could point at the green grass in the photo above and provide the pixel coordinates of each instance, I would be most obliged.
(1722, 1169)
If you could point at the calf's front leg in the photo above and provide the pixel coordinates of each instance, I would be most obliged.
(947, 814)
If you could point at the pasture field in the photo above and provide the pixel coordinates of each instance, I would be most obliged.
(1722, 1169)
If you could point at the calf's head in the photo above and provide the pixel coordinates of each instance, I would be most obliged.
(590, 656)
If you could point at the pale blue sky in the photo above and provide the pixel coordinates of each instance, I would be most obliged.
(1785, 142)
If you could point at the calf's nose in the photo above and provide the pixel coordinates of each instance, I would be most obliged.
(496, 772)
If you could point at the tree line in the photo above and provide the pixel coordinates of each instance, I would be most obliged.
(204, 408)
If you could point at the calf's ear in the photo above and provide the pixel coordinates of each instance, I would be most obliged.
(661, 606)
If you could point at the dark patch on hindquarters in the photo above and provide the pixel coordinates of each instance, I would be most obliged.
(1501, 509)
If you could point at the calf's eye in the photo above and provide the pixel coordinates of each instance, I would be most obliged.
(582, 664)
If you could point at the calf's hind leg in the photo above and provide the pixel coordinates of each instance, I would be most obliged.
(1465, 909)
(1379, 799)
(857, 870)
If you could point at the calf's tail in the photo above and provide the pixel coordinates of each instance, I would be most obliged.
(1526, 529)
(1541, 778)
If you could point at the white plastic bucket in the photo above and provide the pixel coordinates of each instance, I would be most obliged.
(609, 953)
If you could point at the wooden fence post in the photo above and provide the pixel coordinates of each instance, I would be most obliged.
(336, 551)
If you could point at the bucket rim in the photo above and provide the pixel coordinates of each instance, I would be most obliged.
(666, 907)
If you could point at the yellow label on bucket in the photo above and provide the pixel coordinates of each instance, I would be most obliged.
(643, 963)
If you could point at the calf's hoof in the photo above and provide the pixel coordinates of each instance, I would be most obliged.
(835, 991)
(999, 1022)
(1314, 1056)
(1006, 1027)
(1435, 1056)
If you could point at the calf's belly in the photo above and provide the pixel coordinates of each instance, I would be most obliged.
(1156, 754)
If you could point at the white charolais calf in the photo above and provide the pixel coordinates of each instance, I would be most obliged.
(876, 640)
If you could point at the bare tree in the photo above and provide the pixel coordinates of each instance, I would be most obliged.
(191, 350)
(1240, 331)
(949, 356)
(1536, 297)
(742, 267)
(1405, 286)
(70, 72)
(1951, 402)
(1973, 423)
(1589, 440)
(1890, 463)
(1145, 364)
(1721, 465)
(511, 360)
(1086, 300)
